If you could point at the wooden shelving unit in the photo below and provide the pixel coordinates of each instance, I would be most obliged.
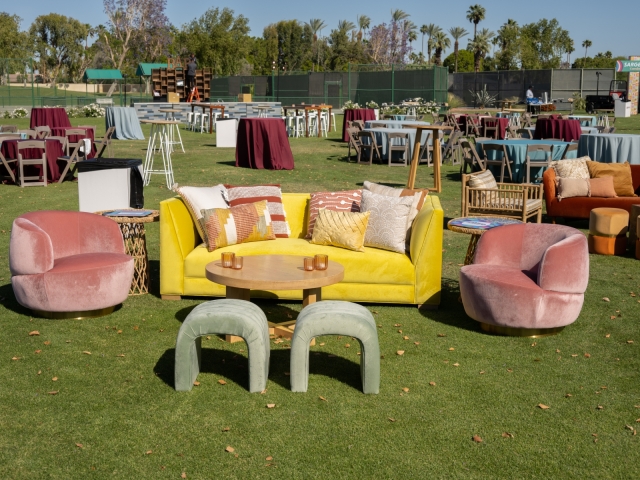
(173, 80)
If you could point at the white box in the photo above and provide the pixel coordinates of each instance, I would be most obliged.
(226, 133)
(104, 189)
(622, 109)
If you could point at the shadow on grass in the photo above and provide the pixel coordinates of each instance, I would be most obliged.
(235, 367)
(8, 300)
(230, 163)
(451, 311)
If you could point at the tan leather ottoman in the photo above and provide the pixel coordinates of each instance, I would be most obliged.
(607, 231)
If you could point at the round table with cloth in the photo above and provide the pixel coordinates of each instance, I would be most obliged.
(589, 131)
(517, 152)
(567, 130)
(502, 123)
(53, 150)
(462, 120)
(263, 143)
(126, 121)
(363, 114)
(61, 132)
(394, 123)
(585, 120)
(611, 147)
(382, 140)
(49, 117)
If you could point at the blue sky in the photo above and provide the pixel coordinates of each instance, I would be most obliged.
(609, 29)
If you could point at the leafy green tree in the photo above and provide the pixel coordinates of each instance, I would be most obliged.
(586, 44)
(543, 44)
(293, 38)
(465, 61)
(398, 15)
(480, 46)
(475, 15)
(363, 24)
(57, 42)
(431, 30)
(316, 25)
(14, 43)
(457, 33)
(219, 39)
(344, 48)
(600, 60)
(441, 43)
(509, 40)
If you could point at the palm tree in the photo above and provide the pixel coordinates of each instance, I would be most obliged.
(440, 42)
(586, 44)
(398, 15)
(346, 26)
(569, 50)
(423, 31)
(475, 15)
(412, 36)
(480, 46)
(457, 33)
(431, 30)
(363, 24)
(316, 25)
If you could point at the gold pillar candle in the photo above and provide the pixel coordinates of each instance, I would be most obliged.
(237, 263)
(227, 259)
(308, 263)
(321, 262)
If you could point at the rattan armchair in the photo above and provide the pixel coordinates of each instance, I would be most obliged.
(522, 201)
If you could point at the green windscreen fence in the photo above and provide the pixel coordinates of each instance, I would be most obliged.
(360, 83)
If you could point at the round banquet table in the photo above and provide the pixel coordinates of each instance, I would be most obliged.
(53, 150)
(49, 117)
(363, 114)
(567, 130)
(263, 143)
(383, 141)
(611, 147)
(585, 120)
(394, 123)
(517, 152)
(61, 132)
(502, 123)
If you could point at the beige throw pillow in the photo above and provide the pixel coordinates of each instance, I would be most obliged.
(387, 228)
(197, 199)
(574, 168)
(573, 187)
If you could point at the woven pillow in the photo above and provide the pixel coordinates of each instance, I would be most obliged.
(573, 187)
(387, 227)
(197, 199)
(345, 201)
(621, 173)
(483, 180)
(240, 224)
(602, 187)
(272, 194)
(571, 168)
(341, 229)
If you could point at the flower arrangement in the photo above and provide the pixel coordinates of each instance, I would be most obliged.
(428, 107)
(17, 113)
(372, 104)
(349, 105)
(93, 110)
(74, 112)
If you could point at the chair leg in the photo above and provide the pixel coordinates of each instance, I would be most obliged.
(64, 172)
(528, 172)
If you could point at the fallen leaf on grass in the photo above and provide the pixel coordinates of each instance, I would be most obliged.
(39, 372)
(612, 317)
(405, 389)
(271, 405)
(55, 392)
(15, 358)
(599, 407)
(184, 475)
(441, 335)
(222, 382)
(606, 299)
(269, 458)
(568, 395)
(263, 391)
(400, 352)
(346, 345)
(607, 335)
(230, 449)
(477, 439)
(196, 383)
(322, 344)
(121, 355)
(629, 341)
(481, 372)
(323, 399)
(416, 343)
(47, 342)
(433, 384)
(534, 344)
(392, 419)
(34, 333)
(507, 435)
(120, 331)
(226, 429)
(405, 338)
(543, 406)
(54, 379)
(574, 354)
(451, 349)
(397, 325)
(86, 352)
(79, 445)
(38, 351)
(456, 364)
(587, 355)
(510, 370)
(557, 350)
(148, 452)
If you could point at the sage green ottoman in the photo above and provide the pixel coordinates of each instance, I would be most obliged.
(335, 318)
(230, 317)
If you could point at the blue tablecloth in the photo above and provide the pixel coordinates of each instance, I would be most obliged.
(517, 152)
(585, 120)
(382, 140)
(589, 131)
(125, 119)
(611, 147)
(394, 123)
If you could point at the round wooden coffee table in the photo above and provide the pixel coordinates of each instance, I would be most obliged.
(274, 272)
(476, 226)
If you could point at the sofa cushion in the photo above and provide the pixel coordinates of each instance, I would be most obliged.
(573, 187)
(621, 173)
(202, 198)
(574, 168)
(341, 229)
(239, 224)
(239, 195)
(359, 267)
(387, 227)
(344, 201)
(602, 187)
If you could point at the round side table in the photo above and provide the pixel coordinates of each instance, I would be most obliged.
(476, 226)
(135, 244)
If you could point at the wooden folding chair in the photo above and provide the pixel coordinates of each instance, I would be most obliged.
(31, 134)
(572, 147)
(6, 164)
(8, 128)
(452, 147)
(76, 132)
(404, 147)
(105, 143)
(470, 157)
(42, 162)
(473, 126)
(371, 146)
(502, 162)
(354, 141)
(512, 132)
(42, 132)
(71, 161)
(546, 150)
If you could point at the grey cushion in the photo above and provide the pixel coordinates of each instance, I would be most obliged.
(335, 318)
(230, 317)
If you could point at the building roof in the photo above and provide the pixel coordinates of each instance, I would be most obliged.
(144, 69)
(101, 74)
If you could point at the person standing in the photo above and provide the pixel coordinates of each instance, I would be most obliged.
(530, 92)
(192, 66)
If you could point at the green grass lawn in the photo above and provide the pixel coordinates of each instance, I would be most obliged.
(116, 414)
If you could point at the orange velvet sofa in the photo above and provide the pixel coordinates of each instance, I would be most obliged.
(580, 207)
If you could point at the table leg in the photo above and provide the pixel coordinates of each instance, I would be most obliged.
(306, 121)
(437, 160)
(311, 295)
(471, 249)
(414, 160)
(318, 119)
(210, 120)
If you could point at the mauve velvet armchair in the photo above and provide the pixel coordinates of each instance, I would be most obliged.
(526, 279)
(68, 264)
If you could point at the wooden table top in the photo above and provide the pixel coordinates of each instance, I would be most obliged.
(274, 272)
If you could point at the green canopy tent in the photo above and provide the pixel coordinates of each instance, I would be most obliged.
(103, 74)
(144, 71)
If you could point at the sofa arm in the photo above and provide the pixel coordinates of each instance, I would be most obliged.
(426, 251)
(30, 249)
(178, 237)
(565, 266)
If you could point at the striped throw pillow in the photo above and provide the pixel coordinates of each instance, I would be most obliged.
(272, 194)
(483, 180)
(345, 201)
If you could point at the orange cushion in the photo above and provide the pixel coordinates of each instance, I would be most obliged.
(621, 173)
(602, 187)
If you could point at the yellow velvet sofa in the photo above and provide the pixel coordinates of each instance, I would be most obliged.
(373, 276)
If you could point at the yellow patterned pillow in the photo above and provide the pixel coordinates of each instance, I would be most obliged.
(241, 224)
(340, 229)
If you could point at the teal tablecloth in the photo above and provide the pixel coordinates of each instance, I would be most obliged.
(611, 147)
(517, 152)
(125, 119)
(585, 120)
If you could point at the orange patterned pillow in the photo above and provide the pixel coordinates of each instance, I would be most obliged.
(345, 201)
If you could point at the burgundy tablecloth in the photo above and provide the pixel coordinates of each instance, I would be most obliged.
(567, 130)
(61, 132)
(49, 117)
(363, 114)
(491, 121)
(53, 149)
(263, 143)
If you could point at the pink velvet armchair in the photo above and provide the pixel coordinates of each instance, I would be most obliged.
(526, 279)
(68, 264)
